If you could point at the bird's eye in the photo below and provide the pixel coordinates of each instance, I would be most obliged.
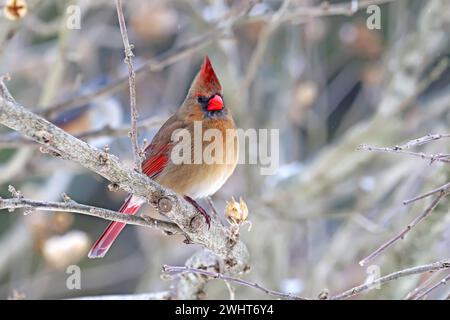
(202, 100)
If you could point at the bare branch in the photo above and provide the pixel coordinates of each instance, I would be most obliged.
(411, 295)
(441, 191)
(132, 84)
(432, 157)
(72, 206)
(413, 143)
(444, 188)
(407, 229)
(423, 140)
(435, 286)
(217, 275)
(444, 264)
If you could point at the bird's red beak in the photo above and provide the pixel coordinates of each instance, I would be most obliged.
(215, 103)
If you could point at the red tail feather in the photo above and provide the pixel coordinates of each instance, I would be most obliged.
(102, 245)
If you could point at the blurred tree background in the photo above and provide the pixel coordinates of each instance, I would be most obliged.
(312, 69)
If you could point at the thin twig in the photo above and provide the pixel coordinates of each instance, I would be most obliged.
(444, 188)
(441, 191)
(213, 207)
(263, 40)
(411, 295)
(423, 140)
(444, 264)
(230, 290)
(72, 206)
(438, 284)
(407, 229)
(132, 84)
(400, 149)
(411, 143)
(217, 275)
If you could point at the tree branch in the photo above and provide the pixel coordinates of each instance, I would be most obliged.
(217, 275)
(407, 229)
(432, 157)
(435, 286)
(444, 264)
(72, 206)
(412, 143)
(445, 188)
(441, 191)
(132, 84)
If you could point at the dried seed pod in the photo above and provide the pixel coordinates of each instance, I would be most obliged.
(15, 9)
(236, 212)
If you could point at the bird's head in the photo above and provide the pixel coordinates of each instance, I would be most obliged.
(205, 97)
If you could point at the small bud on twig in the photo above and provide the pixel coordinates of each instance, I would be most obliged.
(114, 187)
(66, 198)
(324, 294)
(15, 193)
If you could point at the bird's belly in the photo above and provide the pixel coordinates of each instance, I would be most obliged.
(209, 185)
(195, 180)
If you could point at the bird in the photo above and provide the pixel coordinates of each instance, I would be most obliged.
(204, 104)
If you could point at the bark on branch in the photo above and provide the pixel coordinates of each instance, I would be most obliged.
(72, 206)
(444, 264)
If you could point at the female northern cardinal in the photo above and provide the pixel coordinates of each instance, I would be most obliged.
(203, 103)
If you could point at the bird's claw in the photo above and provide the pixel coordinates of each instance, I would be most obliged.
(200, 209)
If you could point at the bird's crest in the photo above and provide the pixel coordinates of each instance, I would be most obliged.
(206, 82)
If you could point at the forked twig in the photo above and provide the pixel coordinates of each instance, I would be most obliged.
(407, 229)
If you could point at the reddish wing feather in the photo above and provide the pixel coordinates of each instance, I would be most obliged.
(156, 160)
(157, 153)
(154, 165)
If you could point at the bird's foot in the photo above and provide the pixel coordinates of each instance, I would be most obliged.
(200, 209)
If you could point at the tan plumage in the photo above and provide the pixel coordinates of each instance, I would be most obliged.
(203, 104)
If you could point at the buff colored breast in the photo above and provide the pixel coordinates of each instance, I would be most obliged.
(202, 180)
